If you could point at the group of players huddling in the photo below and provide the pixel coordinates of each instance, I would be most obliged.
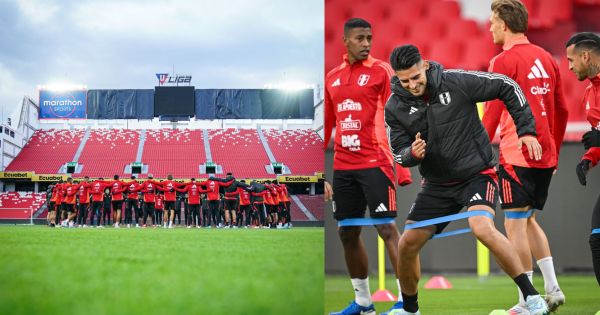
(214, 202)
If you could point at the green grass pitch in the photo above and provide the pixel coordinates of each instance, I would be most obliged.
(160, 271)
(469, 296)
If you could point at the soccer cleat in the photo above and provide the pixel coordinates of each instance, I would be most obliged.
(401, 311)
(397, 306)
(536, 305)
(355, 309)
(519, 309)
(555, 299)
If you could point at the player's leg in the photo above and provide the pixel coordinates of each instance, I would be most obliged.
(595, 239)
(409, 265)
(481, 193)
(349, 202)
(171, 217)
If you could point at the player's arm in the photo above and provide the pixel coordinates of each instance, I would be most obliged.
(485, 86)
(329, 116)
(182, 189)
(561, 113)
(400, 141)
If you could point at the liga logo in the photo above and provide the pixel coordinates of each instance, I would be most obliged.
(67, 104)
(166, 78)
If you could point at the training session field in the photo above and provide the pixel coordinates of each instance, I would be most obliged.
(160, 271)
(469, 296)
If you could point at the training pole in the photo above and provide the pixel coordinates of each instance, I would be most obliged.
(382, 295)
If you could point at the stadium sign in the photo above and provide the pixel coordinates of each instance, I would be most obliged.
(165, 78)
(48, 177)
(62, 104)
(297, 179)
(16, 175)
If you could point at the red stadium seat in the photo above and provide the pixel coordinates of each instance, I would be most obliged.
(463, 29)
(447, 52)
(443, 10)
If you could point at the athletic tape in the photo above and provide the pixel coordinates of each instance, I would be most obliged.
(365, 221)
(449, 218)
(518, 214)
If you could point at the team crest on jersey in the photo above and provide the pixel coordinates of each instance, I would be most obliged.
(363, 79)
(445, 98)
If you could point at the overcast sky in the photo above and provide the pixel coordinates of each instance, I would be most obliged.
(123, 44)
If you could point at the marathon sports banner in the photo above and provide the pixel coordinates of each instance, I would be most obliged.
(297, 179)
(49, 177)
(16, 175)
(63, 104)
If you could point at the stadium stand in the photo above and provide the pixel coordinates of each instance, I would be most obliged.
(166, 151)
(107, 151)
(19, 205)
(176, 152)
(291, 147)
(47, 151)
(315, 204)
(239, 151)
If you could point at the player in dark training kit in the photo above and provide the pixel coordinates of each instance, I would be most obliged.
(445, 137)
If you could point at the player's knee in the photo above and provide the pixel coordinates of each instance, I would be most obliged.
(595, 243)
(349, 234)
(481, 226)
(388, 232)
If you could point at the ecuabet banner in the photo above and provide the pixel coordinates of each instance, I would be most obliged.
(63, 104)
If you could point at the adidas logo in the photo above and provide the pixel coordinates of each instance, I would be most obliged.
(336, 82)
(537, 71)
(412, 110)
(381, 208)
(476, 197)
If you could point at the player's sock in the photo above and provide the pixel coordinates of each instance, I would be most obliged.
(547, 267)
(530, 277)
(362, 294)
(399, 291)
(595, 247)
(410, 302)
(525, 286)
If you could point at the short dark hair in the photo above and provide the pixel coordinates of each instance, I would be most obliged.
(86, 177)
(132, 176)
(355, 23)
(513, 13)
(116, 177)
(101, 178)
(585, 40)
(404, 57)
(192, 179)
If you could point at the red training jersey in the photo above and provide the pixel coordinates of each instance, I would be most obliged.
(355, 96)
(591, 101)
(213, 188)
(149, 189)
(159, 202)
(537, 74)
(97, 190)
(193, 191)
(69, 190)
(244, 196)
(117, 189)
(84, 192)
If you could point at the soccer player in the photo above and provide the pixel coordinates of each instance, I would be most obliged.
(284, 204)
(355, 95)
(106, 206)
(53, 208)
(97, 189)
(205, 211)
(583, 54)
(193, 189)
(117, 188)
(258, 204)
(84, 203)
(69, 191)
(445, 137)
(159, 207)
(58, 202)
(231, 202)
(213, 184)
(168, 187)
(525, 181)
(148, 188)
(132, 203)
